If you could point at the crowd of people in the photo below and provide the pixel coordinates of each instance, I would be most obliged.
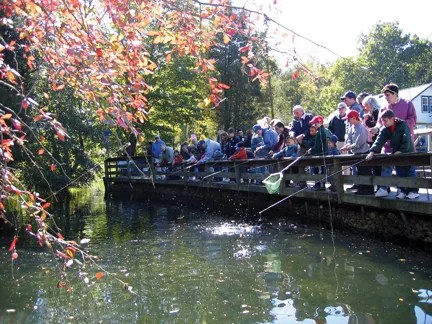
(359, 126)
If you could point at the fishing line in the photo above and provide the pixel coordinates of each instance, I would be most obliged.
(302, 189)
(331, 218)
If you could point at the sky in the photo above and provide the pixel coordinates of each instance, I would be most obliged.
(333, 27)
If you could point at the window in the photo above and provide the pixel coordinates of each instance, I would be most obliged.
(426, 104)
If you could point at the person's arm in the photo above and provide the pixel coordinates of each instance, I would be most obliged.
(406, 142)
(380, 140)
(411, 118)
(360, 140)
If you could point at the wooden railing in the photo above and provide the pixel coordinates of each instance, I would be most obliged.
(243, 173)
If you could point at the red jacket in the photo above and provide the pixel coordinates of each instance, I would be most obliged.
(239, 155)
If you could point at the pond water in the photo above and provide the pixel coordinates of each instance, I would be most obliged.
(189, 266)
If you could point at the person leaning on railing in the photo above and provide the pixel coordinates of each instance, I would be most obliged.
(398, 133)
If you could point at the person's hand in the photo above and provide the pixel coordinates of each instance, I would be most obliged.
(397, 153)
(346, 147)
(300, 138)
(370, 156)
(374, 130)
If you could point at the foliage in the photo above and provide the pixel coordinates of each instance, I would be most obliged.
(70, 59)
(237, 109)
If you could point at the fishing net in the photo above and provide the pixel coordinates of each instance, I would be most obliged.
(272, 182)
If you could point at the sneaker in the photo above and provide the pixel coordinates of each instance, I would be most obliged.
(381, 193)
(400, 195)
(413, 195)
(352, 188)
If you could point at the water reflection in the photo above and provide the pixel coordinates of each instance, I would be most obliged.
(194, 267)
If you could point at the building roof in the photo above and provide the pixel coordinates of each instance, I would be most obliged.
(412, 93)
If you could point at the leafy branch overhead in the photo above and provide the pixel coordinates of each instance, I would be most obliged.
(104, 50)
(105, 53)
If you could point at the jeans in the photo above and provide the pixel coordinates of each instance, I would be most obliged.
(406, 172)
(401, 171)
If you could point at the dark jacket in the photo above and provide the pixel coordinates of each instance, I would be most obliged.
(338, 126)
(301, 126)
(320, 146)
(399, 136)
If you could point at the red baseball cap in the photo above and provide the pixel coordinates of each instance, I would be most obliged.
(317, 119)
(351, 114)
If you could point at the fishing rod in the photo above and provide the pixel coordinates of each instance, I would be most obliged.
(302, 189)
(217, 172)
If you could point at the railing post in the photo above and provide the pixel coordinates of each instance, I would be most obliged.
(337, 168)
(237, 173)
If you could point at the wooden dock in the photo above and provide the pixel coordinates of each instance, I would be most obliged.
(243, 175)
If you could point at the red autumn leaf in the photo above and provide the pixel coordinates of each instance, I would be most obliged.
(38, 117)
(99, 52)
(244, 49)
(16, 124)
(244, 59)
(62, 255)
(223, 86)
(75, 3)
(295, 75)
(14, 190)
(60, 135)
(99, 275)
(45, 206)
(24, 104)
(12, 246)
(53, 167)
(41, 151)
(60, 236)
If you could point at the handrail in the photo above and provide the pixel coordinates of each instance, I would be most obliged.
(244, 177)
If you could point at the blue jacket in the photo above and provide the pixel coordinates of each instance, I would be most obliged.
(212, 150)
(270, 138)
(288, 151)
(156, 148)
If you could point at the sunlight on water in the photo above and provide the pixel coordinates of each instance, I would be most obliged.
(233, 229)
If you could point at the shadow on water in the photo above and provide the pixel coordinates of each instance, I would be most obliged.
(194, 266)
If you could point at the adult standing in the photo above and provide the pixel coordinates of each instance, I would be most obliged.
(338, 126)
(371, 107)
(350, 99)
(283, 133)
(157, 149)
(212, 150)
(231, 143)
(300, 126)
(356, 143)
(403, 109)
(270, 139)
